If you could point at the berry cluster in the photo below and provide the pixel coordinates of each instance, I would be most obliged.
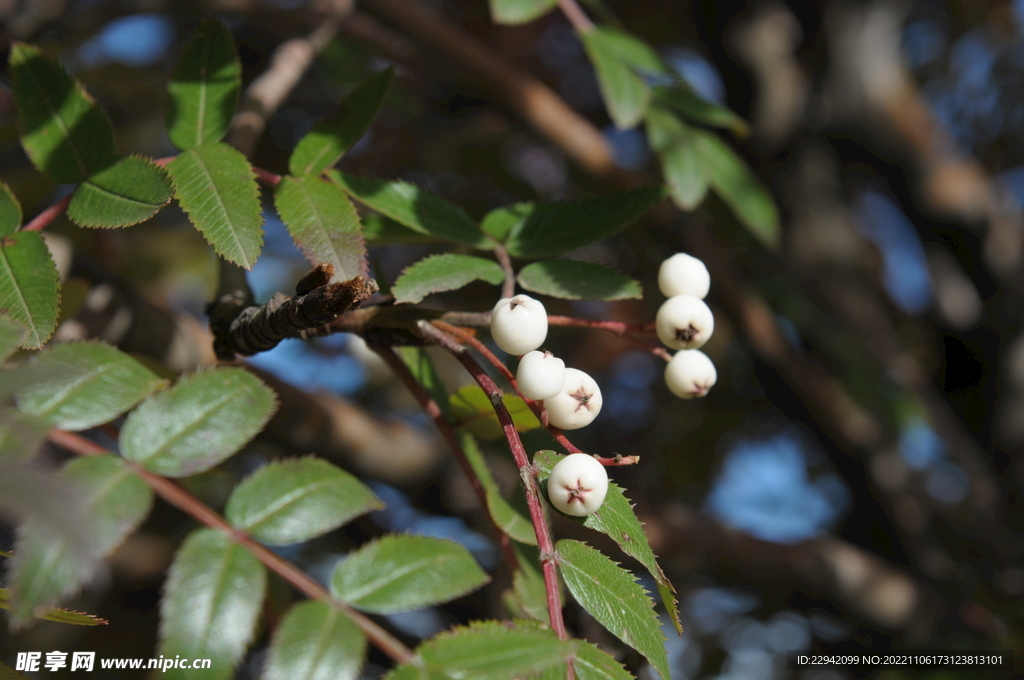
(684, 323)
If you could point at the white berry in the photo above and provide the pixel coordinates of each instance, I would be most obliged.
(576, 404)
(690, 374)
(519, 324)
(684, 322)
(577, 485)
(540, 375)
(683, 274)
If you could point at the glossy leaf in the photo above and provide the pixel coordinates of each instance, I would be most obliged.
(399, 572)
(520, 11)
(680, 164)
(733, 181)
(558, 228)
(125, 193)
(55, 614)
(489, 650)
(198, 423)
(212, 598)
(504, 515)
(78, 385)
(612, 596)
(447, 271)
(29, 292)
(217, 188)
(695, 108)
(64, 132)
(575, 280)
(499, 222)
(625, 92)
(10, 211)
(315, 642)
(323, 224)
(331, 137)
(412, 207)
(473, 411)
(291, 501)
(378, 229)
(203, 92)
(12, 334)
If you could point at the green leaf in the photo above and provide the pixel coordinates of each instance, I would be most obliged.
(21, 435)
(291, 501)
(331, 137)
(680, 164)
(612, 596)
(8, 673)
(29, 292)
(591, 663)
(315, 642)
(413, 207)
(378, 229)
(520, 11)
(399, 572)
(473, 411)
(558, 228)
(528, 585)
(198, 423)
(447, 271)
(624, 91)
(696, 108)
(575, 280)
(628, 49)
(733, 181)
(489, 650)
(322, 223)
(64, 132)
(204, 87)
(504, 515)
(12, 334)
(54, 614)
(422, 368)
(125, 193)
(212, 598)
(10, 211)
(47, 566)
(499, 222)
(217, 188)
(78, 385)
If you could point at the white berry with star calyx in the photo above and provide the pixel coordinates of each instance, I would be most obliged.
(690, 374)
(540, 375)
(576, 404)
(683, 274)
(577, 485)
(684, 322)
(519, 324)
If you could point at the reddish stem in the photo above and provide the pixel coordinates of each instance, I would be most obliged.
(428, 404)
(189, 504)
(617, 327)
(508, 287)
(271, 179)
(574, 13)
(43, 219)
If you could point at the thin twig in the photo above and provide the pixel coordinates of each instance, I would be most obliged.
(508, 287)
(43, 219)
(576, 16)
(192, 506)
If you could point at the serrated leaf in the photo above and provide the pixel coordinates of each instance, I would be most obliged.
(29, 291)
(217, 188)
(315, 642)
(589, 663)
(198, 423)
(505, 517)
(694, 107)
(447, 271)
(47, 566)
(555, 229)
(291, 501)
(78, 385)
(378, 229)
(422, 368)
(331, 137)
(212, 598)
(520, 11)
(12, 334)
(737, 186)
(323, 224)
(203, 91)
(128, 192)
(625, 92)
(55, 614)
(575, 280)
(399, 572)
(412, 207)
(680, 164)
(668, 599)
(499, 222)
(612, 596)
(473, 411)
(10, 210)
(64, 132)
(488, 650)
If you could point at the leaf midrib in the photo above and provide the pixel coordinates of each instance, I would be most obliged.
(284, 501)
(220, 205)
(55, 115)
(126, 199)
(392, 576)
(9, 270)
(73, 388)
(210, 409)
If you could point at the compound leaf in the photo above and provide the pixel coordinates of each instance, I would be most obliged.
(29, 291)
(198, 423)
(322, 223)
(398, 573)
(474, 412)
(499, 222)
(291, 501)
(575, 280)
(589, 663)
(447, 271)
(315, 642)
(128, 192)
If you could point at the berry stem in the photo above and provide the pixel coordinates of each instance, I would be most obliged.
(508, 287)
(526, 470)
